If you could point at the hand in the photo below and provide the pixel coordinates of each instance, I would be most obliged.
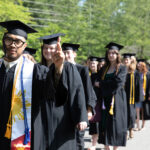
(82, 125)
(96, 84)
(58, 57)
(30, 57)
(89, 114)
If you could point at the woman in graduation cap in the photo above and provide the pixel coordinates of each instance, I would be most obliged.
(69, 111)
(131, 87)
(113, 124)
(144, 96)
(101, 63)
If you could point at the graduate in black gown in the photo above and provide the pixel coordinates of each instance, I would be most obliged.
(101, 63)
(143, 96)
(68, 113)
(14, 43)
(70, 50)
(113, 124)
(93, 128)
(131, 87)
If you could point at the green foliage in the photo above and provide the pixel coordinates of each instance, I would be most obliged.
(12, 10)
(92, 25)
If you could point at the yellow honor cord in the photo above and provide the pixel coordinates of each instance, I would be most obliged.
(90, 73)
(133, 97)
(105, 72)
(132, 89)
(111, 111)
(144, 85)
(9, 124)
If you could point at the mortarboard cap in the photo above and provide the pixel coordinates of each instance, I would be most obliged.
(30, 51)
(133, 54)
(126, 55)
(17, 27)
(93, 58)
(70, 46)
(141, 60)
(114, 46)
(51, 39)
(100, 59)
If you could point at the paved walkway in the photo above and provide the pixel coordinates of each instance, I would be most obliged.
(141, 140)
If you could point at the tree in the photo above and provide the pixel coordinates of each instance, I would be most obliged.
(12, 10)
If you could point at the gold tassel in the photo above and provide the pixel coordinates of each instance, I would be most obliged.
(111, 111)
(8, 131)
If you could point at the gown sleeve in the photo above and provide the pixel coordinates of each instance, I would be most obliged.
(90, 95)
(70, 90)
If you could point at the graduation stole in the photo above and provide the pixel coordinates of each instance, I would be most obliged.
(144, 85)
(111, 112)
(132, 89)
(19, 123)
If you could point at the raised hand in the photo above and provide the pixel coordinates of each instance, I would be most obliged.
(58, 57)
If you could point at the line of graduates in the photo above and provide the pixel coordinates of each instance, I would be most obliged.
(122, 88)
(43, 106)
(47, 105)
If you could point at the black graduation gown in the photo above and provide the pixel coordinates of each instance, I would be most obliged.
(93, 129)
(131, 109)
(38, 93)
(93, 79)
(90, 95)
(146, 102)
(116, 125)
(67, 110)
(139, 97)
(139, 87)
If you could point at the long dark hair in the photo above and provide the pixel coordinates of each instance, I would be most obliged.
(43, 60)
(107, 62)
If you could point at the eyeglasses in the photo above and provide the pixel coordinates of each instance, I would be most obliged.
(9, 41)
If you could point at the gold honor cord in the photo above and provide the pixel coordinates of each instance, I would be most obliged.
(90, 73)
(144, 85)
(111, 111)
(132, 89)
(9, 123)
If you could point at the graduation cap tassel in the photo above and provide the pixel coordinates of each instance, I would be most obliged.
(111, 111)
(27, 136)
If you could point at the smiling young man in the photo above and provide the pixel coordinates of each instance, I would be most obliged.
(23, 84)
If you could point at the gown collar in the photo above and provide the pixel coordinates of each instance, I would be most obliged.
(8, 65)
